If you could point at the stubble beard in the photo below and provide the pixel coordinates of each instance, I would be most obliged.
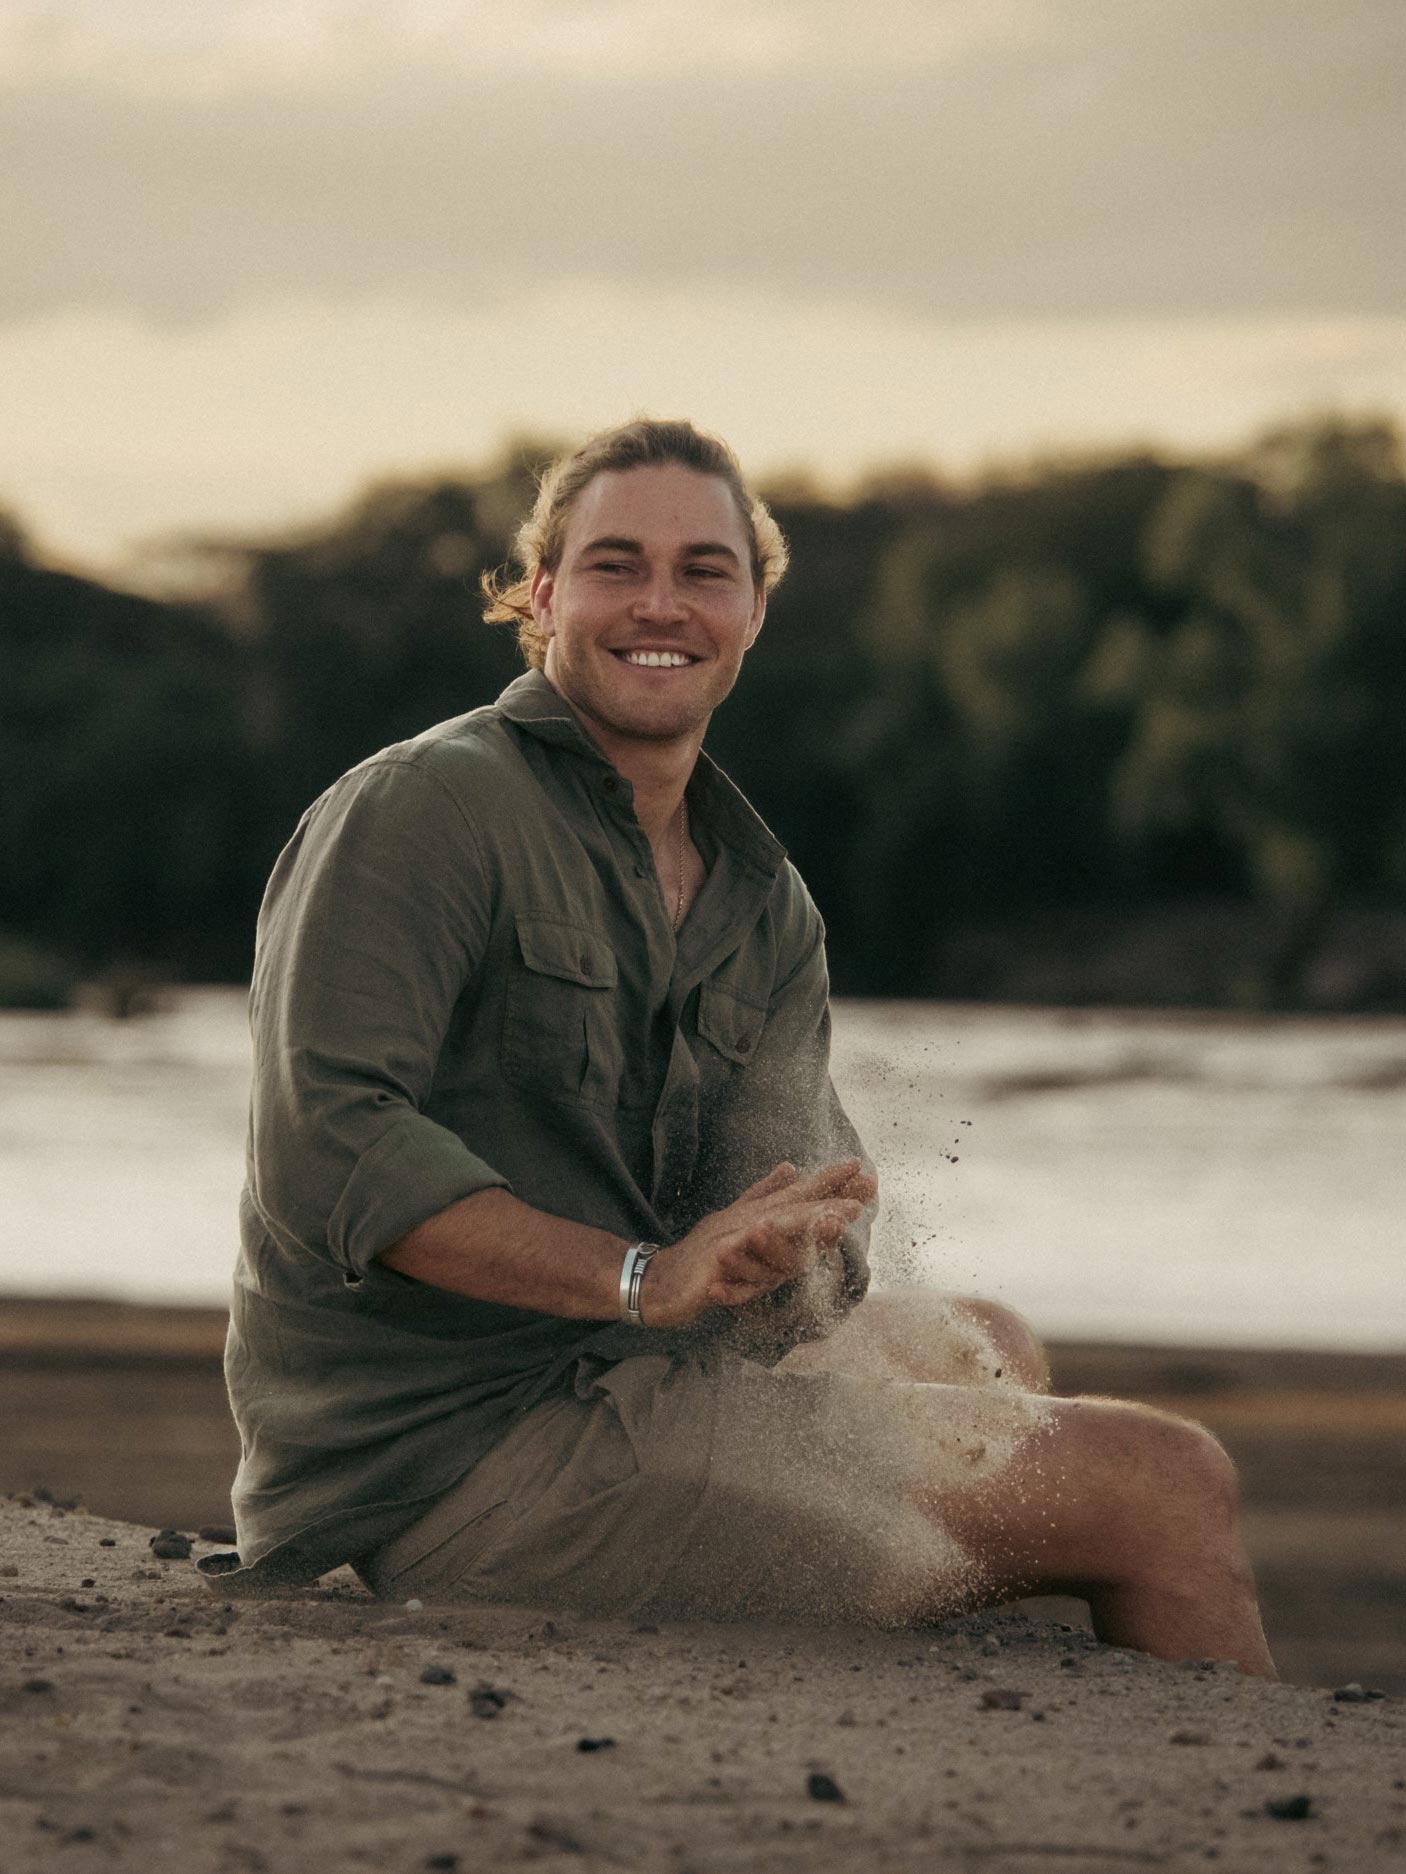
(662, 722)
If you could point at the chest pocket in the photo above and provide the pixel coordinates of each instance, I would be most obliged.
(729, 1023)
(559, 1033)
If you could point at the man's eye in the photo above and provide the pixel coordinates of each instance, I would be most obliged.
(707, 572)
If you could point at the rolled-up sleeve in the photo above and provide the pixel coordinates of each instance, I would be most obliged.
(373, 926)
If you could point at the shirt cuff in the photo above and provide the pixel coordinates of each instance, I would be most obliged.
(413, 1171)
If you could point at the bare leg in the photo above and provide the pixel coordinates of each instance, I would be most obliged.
(1131, 1509)
(942, 1340)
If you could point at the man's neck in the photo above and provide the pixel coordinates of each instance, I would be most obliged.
(657, 771)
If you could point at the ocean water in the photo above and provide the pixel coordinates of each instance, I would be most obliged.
(1113, 1175)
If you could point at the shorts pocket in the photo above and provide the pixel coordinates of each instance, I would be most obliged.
(559, 1037)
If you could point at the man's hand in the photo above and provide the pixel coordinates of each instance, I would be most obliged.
(773, 1233)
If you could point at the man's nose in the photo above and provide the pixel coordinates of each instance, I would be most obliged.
(659, 600)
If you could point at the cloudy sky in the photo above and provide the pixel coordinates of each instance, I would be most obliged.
(256, 253)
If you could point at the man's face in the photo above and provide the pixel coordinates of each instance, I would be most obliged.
(650, 611)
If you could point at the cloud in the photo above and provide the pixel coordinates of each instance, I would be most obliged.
(1062, 158)
(205, 48)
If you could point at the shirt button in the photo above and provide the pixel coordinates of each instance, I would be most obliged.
(610, 785)
(744, 1045)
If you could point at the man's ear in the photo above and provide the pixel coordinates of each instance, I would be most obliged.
(543, 590)
(758, 619)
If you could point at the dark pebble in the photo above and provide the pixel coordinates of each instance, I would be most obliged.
(37, 1685)
(218, 1532)
(1189, 1737)
(1270, 1762)
(1356, 1695)
(998, 1698)
(437, 1675)
(82, 1833)
(486, 1701)
(1290, 1808)
(644, 1626)
(107, 1542)
(87, 1582)
(822, 1788)
(170, 1546)
(446, 1863)
(595, 1743)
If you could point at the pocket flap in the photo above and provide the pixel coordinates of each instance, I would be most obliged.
(571, 951)
(733, 1026)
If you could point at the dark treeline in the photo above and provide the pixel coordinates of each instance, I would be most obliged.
(1129, 730)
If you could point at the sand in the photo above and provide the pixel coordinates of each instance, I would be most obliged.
(148, 1725)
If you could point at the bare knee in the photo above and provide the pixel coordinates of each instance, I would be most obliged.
(1179, 1489)
(1018, 1355)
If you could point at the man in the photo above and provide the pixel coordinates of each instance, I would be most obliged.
(553, 1220)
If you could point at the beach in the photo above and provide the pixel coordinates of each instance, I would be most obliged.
(151, 1726)
(1200, 1213)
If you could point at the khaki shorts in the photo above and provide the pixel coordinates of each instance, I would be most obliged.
(706, 1487)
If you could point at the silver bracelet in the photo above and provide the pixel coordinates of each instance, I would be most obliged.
(637, 1259)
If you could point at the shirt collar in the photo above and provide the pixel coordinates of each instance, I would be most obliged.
(534, 705)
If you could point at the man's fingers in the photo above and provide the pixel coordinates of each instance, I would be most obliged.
(847, 1179)
(780, 1237)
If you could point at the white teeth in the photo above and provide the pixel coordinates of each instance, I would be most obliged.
(658, 660)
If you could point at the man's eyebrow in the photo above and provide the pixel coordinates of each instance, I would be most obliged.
(696, 549)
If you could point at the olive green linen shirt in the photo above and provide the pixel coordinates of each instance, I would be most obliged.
(467, 977)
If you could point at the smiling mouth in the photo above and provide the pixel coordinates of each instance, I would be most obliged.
(656, 660)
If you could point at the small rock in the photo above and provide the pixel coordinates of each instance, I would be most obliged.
(486, 1701)
(1270, 1762)
(444, 1863)
(1068, 1663)
(9, 1570)
(437, 1675)
(1001, 1698)
(87, 1582)
(645, 1626)
(822, 1788)
(36, 1685)
(990, 1646)
(218, 1532)
(1355, 1694)
(1290, 1808)
(107, 1542)
(169, 1545)
(595, 1743)
(413, 1606)
(1189, 1737)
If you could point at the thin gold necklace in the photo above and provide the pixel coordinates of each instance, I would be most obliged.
(683, 836)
